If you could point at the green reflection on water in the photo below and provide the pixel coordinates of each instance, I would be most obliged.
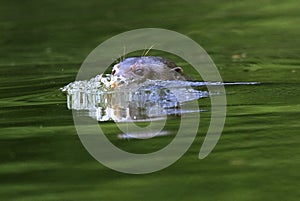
(42, 46)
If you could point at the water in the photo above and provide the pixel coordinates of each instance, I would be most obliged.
(43, 44)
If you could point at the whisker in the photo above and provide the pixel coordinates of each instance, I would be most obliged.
(124, 53)
(143, 54)
(120, 58)
(149, 49)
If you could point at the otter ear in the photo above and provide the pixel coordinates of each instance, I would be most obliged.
(178, 70)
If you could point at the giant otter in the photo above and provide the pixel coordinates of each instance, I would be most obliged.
(148, 67)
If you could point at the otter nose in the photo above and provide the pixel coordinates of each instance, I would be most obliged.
(115, 71)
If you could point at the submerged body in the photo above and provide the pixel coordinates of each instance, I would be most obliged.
(148, 67)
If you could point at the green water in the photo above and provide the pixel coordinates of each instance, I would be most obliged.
(257, 158)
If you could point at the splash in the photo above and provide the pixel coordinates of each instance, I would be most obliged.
(130, 100)
(101, 98)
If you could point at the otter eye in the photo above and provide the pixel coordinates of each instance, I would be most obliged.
(139, 72)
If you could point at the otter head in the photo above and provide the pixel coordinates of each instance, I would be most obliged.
(148, 67)
(131, 68)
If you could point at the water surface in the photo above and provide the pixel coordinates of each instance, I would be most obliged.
(43, 44)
